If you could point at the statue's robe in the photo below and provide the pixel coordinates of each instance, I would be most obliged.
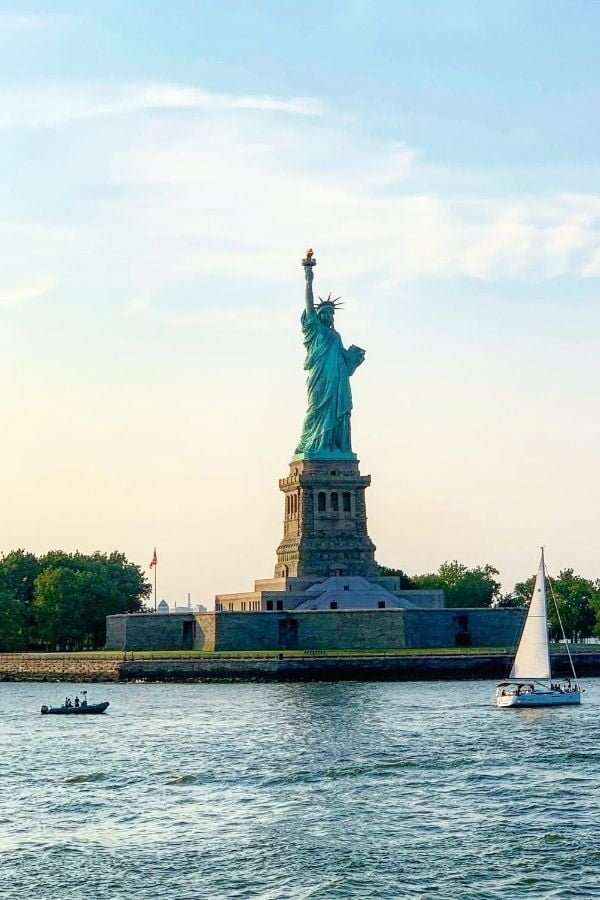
(329, 366)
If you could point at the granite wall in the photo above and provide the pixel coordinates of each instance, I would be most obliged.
(116, 632)
(381, 629)
(152, 631)
(82, 667)
(463, 627)
(79, 667)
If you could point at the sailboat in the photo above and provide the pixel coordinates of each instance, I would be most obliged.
(530, 682)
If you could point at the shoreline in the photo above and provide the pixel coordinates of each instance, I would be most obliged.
(416, 666)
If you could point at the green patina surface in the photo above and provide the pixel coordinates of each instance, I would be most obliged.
(326, 429)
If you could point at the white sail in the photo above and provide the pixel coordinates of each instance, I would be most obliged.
(533, 656)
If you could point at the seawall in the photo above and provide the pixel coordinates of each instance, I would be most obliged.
(274, 668)
(58, 667)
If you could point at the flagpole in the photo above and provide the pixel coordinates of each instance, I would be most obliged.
(154, 565)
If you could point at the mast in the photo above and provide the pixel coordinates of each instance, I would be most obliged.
(543, 565)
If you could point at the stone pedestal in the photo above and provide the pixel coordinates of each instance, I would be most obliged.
(325, 522)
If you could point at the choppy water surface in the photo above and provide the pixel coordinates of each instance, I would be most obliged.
(297, 791)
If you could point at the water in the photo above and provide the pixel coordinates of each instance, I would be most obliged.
(285, 792)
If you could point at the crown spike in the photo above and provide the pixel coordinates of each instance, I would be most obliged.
(329, 302)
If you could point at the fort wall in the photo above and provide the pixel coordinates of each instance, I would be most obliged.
(363, 630)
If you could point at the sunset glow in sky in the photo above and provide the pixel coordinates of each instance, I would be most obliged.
(165, 165)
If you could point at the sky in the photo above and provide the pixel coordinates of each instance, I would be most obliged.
(164, 167)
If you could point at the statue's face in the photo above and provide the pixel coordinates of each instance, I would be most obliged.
(326, 314)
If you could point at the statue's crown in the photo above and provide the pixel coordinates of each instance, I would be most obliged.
(329, 302)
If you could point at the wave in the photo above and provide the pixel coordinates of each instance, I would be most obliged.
(84, 779)
(334, 773)
(187, 779)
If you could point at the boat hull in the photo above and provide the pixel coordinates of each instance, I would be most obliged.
(92, 709)
(539, 698)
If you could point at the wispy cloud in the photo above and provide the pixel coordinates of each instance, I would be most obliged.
(20, 295)
(46, 105)
(230, 196)
(234, 191)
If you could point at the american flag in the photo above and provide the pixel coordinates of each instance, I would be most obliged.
(154, 559)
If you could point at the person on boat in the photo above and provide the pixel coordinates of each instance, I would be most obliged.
(76, 702)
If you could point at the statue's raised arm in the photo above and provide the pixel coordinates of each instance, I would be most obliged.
(308, 263)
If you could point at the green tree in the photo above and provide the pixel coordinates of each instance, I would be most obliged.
(75, 592)
(100, 597)
(578, 601)
(129, 581)
(12, 622)
(575, 596)
(523, 591)
(62, 599)
(508, 601)
(57, 604)
(463, 587)
(18, 571)
(131, 589)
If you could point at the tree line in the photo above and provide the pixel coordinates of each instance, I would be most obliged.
(577, 598)
(60, 601)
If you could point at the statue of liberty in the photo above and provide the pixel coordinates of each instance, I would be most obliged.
(326, 431)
